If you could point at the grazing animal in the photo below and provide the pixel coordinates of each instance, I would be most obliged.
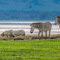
(42, 27)
(18, 33)
(7, 33)
(57, 21)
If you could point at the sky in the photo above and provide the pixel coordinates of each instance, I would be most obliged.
(29, 5)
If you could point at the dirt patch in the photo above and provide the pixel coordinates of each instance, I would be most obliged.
(28, 37)
(19, 38)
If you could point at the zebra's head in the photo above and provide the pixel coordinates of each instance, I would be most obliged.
(57, 20)
(2, 34)
(32, 28)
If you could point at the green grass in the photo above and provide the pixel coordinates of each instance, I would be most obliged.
(30, 50)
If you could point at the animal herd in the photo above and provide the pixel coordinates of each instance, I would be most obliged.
(42, 27)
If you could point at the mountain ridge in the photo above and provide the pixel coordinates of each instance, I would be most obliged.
(28, 15)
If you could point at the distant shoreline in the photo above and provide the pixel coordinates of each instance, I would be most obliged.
(25, 25)
(25, 21)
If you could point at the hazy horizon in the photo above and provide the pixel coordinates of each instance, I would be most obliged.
(29, 9)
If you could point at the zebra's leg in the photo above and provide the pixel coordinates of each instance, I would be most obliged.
(42, 34)
(59, 25)
(49, 33)
(46, 33)
(38, 35)
(7, 36)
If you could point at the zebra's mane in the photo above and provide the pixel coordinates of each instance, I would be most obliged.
(36, 25)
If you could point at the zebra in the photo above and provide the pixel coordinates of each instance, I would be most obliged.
(57, 21)
(42, 27)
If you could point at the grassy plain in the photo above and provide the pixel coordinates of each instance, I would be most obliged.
(30, 50)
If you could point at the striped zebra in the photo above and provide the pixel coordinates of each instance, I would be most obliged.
(42, 27)
(57, 21)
